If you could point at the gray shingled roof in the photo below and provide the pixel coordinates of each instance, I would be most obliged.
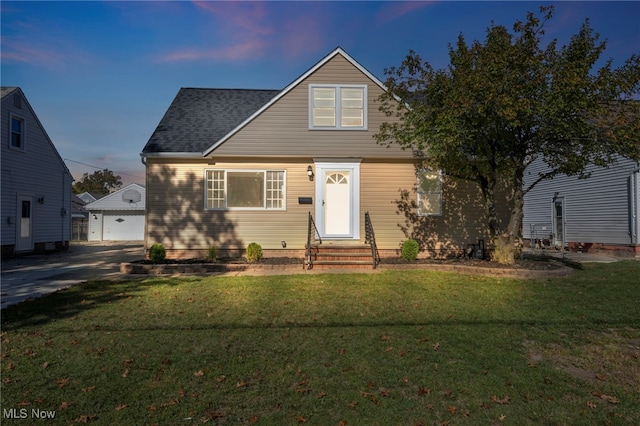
(197, 118)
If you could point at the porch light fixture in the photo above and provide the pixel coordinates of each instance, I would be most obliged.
(310, 172)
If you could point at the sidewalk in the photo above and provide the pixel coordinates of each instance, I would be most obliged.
(578, 257)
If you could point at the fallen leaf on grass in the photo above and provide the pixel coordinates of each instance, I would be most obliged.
(45, 365)
(199, 373)
(608, 398)
(62, 382)
(64, 405)
(303, 390)
(126, 373)
(423, 391)
(86, 418)
(301, 419)
(591, 405)
(169, 403)
(89, 389)
(371, 397)
(436, 347)
(23, 404)
(503, 401)
(321, 394)
(121, 407)
(452, 410)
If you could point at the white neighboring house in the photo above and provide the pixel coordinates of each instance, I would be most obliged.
(600, 213)
(118, 216)
(36, 184)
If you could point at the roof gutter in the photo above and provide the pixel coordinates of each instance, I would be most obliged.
(180, 155)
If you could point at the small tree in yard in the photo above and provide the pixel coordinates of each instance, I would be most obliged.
(506, 102)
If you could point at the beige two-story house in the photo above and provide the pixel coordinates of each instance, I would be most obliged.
(228, 167)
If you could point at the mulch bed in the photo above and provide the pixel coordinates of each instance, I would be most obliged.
(537, 264)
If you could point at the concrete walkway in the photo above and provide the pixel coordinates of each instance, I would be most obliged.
(30, 276)
(578, 257)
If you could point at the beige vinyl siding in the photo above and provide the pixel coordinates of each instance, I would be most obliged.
(388, 192)
(283, 129)
(176, 216)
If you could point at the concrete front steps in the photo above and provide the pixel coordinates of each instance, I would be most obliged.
(336, 256)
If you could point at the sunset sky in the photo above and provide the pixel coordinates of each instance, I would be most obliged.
(100, 75)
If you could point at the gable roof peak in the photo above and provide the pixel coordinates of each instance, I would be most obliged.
(337, 51)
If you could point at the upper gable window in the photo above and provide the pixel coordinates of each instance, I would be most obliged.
(16, 140)
(338, 107)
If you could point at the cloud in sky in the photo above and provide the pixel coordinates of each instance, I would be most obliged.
(395, 10)
(249, 30)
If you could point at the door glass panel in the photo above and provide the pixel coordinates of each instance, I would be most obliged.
(559, 210)
(25, 219)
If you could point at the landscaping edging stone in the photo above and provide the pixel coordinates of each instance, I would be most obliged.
(262, 269)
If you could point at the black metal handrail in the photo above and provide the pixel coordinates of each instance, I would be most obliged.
(312, 232)
(370, 238)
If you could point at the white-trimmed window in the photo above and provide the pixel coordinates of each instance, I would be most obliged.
(429, 193)
(16, 129)
(245, 189)
(338, 107)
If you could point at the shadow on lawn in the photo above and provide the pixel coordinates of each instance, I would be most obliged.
(71, 301)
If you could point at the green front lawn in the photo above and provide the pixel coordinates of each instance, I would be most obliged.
(392, 348)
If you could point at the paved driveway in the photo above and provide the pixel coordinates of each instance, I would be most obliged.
(35, 275)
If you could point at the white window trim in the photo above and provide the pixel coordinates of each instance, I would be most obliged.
(338, 106)
(418, 191)
(264, 207)
(22, 148)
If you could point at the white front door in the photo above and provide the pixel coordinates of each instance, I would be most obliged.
(24, 228)
(337, 195)
(337, 203)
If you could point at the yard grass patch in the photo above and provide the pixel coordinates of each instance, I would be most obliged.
(399, 347)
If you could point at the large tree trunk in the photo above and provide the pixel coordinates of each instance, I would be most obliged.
(488, 187)
(508, 245)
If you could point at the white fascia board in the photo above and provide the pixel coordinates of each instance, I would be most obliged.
(290, 87)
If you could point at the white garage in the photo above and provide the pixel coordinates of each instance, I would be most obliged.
(118, 216)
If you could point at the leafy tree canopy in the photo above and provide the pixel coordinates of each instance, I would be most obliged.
(99, 183)
(507, 101)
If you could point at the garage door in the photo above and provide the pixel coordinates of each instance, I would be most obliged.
(123, 227)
